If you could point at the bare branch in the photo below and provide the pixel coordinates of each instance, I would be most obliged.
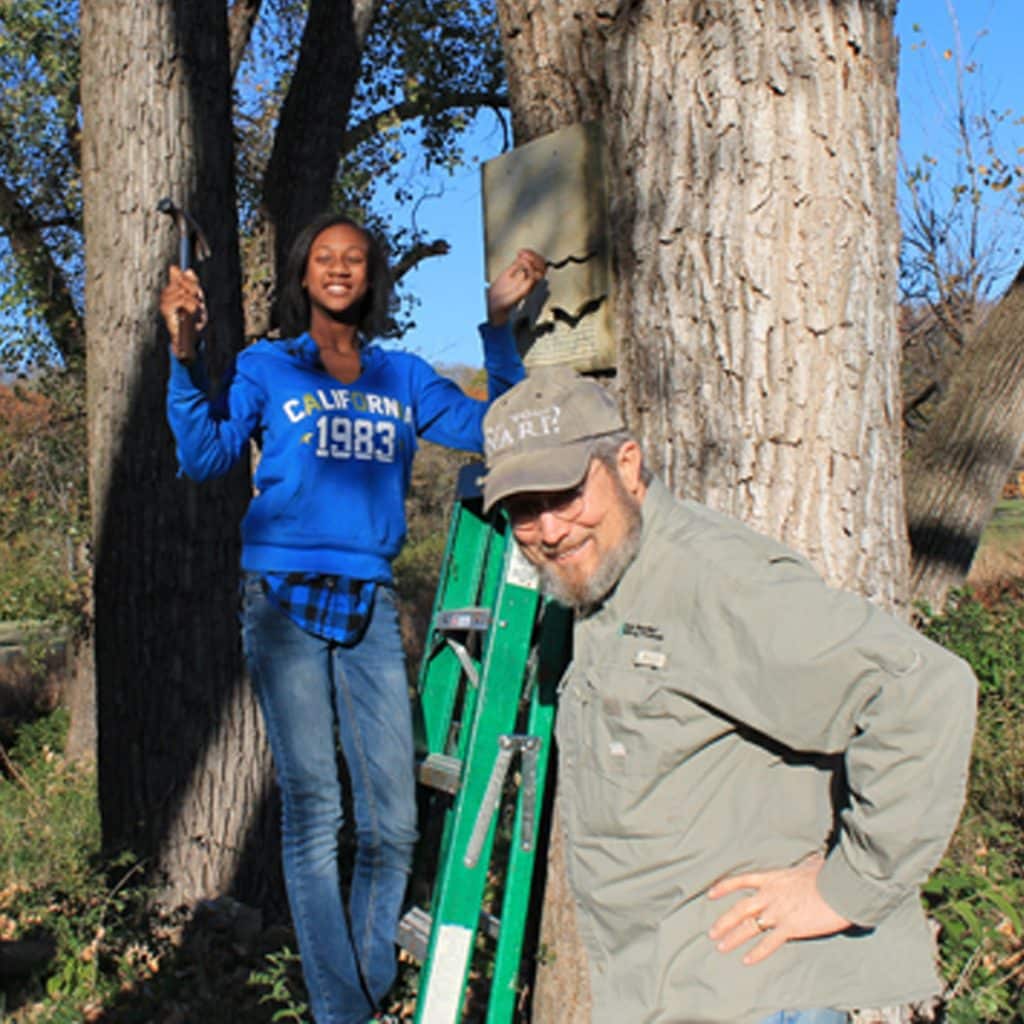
(958, 467)
(46, 280)
(242, 15)
(911, 405)
(423, 106)
(416, 255)
(307, 145)
(73, 129)
(363, 12)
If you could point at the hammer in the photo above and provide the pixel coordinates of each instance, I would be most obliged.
(187, 228)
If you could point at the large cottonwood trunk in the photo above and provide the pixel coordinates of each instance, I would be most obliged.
(183, 767)
(751, 172)
(308, 142)
(956, 470)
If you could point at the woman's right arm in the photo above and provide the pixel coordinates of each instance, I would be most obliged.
(209, 439)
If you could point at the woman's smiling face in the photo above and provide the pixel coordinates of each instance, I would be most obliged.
(336, 278)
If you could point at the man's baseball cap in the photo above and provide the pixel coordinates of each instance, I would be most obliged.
(539, 435)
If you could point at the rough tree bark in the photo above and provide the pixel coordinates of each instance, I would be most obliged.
(307, 143)
(183, 769)
(957, 468)
(751, 170)
(314, 117)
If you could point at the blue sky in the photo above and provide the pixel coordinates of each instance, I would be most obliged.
(450, 289)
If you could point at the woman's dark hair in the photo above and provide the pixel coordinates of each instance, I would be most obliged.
(292, 301)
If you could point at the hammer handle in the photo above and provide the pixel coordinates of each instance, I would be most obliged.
(184, 248)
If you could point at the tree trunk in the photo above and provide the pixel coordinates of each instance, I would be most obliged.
(307, 146)
(563, 982)
(751, 172)
(80, 700)
(183, 767)
(314, 118)
(957, 469)
(751, 153)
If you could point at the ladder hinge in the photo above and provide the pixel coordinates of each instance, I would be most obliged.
(508, 744)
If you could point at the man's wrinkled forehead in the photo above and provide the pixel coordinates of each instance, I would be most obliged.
(539, 422)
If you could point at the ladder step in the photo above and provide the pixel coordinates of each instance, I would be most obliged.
(490, 925)
(463, 620)
(413, 933)
(442, 772)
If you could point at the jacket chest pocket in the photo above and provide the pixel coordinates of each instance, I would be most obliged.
(619, 735)
(622, 786)
(636, 735)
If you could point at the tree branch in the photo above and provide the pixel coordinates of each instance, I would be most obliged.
(45, 279)
(242, 15)
(363, 13)
(407, 110)
(911, 405)
(958, 467)
(307, 145)
(72, 128)
(416, 255)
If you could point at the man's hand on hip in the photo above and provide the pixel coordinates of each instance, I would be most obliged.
(783, 905)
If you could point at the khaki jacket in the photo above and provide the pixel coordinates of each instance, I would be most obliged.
(726, 712)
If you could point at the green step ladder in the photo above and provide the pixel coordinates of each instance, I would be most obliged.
(494, 654)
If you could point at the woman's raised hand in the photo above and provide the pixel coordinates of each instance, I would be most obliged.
(183, 307)
(513, 284)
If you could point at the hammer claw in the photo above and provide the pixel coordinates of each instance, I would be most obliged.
(187, 230)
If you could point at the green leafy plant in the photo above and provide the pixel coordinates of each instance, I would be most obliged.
(54, 888)
(977, 894)
(49, 823)
(281, 978)
(43, 500)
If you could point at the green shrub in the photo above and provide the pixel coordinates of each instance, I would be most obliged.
(49, 823)
(977, 894)
(43, 498)
(51, 887)
(282, 981)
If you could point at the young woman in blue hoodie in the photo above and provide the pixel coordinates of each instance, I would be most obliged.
(336, 420)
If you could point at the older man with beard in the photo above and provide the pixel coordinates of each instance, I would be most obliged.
(757, 772)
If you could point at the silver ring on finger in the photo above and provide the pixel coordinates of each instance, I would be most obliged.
(760, 925)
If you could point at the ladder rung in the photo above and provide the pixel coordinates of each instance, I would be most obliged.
(413, 933)
(490, 925)
(441, 771)
(463, 620)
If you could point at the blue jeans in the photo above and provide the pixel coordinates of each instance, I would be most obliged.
(316, 695)
(807, 1017)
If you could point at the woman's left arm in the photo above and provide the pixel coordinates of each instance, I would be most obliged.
(445, 414)
(501, 357)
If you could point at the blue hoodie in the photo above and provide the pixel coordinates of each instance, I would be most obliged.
(335, 462)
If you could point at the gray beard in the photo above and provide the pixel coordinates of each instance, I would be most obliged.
(593, 591)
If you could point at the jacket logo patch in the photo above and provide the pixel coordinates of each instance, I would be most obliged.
(641, 631)
(650, 659)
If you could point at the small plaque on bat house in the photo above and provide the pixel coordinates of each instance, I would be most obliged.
(549, 195)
